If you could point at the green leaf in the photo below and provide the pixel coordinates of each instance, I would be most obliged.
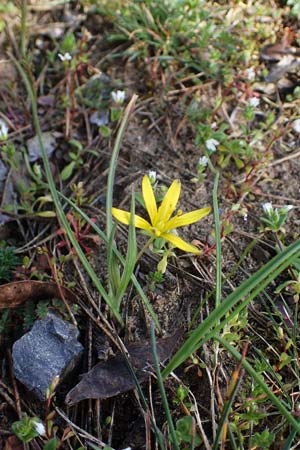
(76, 144)
(112, 263)
(52, 444)
(24, 429)
(115, 114)
(263, 440)
(184, 431)
(239, 163)
(130, 256)
(105, 131)
(48, 214)
(68, 170)
(68, 44)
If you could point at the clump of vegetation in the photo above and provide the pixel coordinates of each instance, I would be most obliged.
(8, 262)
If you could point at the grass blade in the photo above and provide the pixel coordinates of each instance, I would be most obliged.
(113, 163)
(249, 288)
(130, 261)
(162, 390)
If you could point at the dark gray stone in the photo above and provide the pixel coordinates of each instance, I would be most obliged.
(51, 348)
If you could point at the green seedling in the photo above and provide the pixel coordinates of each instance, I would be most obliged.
(263, 440)
(76, 160)
(10, 156)
(28, 428)
(201, 169)
(234, 150)
(8, 262)
(154, 279)
(186, 432)
(274, 218)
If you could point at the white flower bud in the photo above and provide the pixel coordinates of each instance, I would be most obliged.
(268, 208)
(40, 428)
(118, 97)
(254, 101)
(3, 130)
(211, 144)
(65, 57)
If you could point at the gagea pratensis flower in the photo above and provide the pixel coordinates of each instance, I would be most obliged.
(161, 224)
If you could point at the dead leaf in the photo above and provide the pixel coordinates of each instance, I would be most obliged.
(13, 443)
(18, 292)
(112, 377)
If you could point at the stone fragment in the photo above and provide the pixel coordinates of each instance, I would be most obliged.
(49, 349)
(34, 148)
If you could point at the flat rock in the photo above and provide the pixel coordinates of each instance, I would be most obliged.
(49, 349)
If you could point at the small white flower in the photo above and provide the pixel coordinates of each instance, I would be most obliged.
(288, 207)
(40, 428)
(65, 57)
(211, 144)
(268, 208)
(152, 176)
(245, 217)
(254, 101)
(3, 130)
(296, 125)
(250, 73)
(203, 161)
(118, 97)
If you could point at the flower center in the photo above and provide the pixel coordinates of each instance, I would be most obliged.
(156, 231)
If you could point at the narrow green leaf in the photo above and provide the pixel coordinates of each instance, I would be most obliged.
(279, 405)
(256, 283)
(68, 170)
(130, 256)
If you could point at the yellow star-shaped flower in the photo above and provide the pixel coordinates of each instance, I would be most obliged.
(161, 223)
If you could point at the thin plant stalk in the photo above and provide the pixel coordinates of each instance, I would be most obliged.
(216, 215)
(144, 248)
(23, 28)
(230, 397)
(143, 400)
(131, 258)
(162, 390)
(113, 163)
(112, 263)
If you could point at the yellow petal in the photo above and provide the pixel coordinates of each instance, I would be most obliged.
(169, 203)
(180, 243)
(124, 217)
(149, 198)
(187, 219)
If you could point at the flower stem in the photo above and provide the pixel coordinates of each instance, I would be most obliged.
(144, 248)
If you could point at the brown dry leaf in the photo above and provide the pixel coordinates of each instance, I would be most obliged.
(18, 292)
(112, 377)
(13, 443)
